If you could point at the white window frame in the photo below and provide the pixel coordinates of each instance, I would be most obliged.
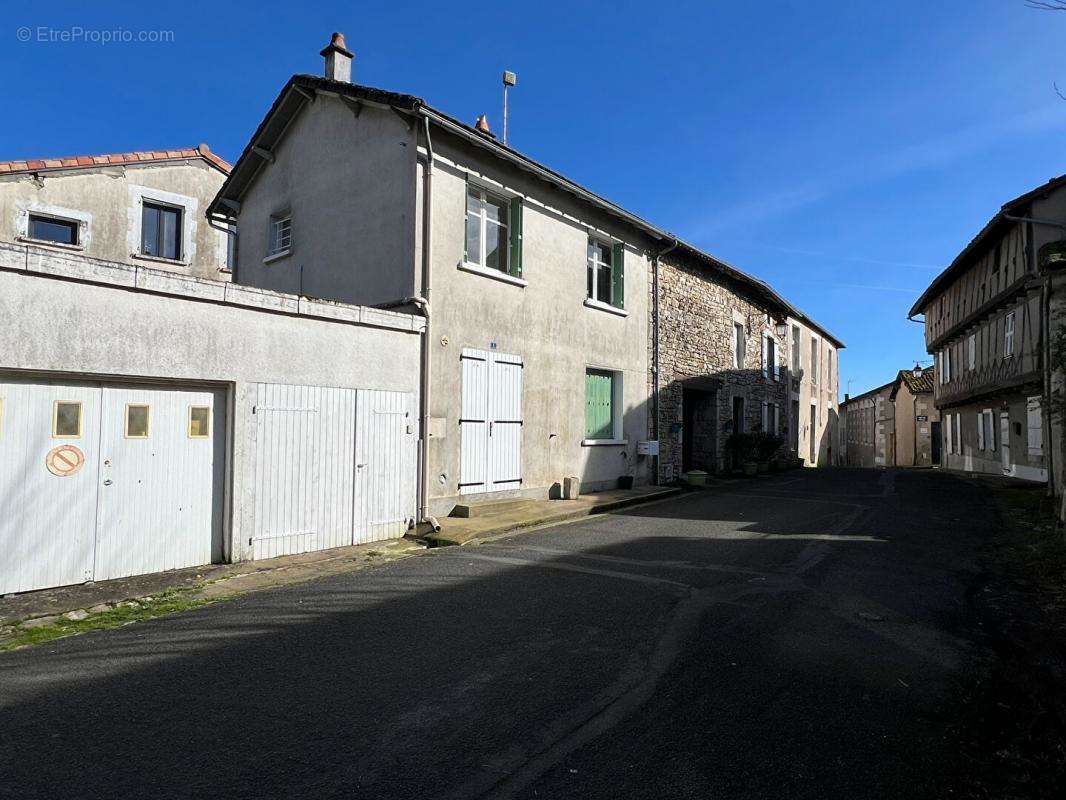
(958, 434)
(279, 236)
(949, 440)
(986, 437)
(1008, 334)
(740, 338)
(769, 348)
(971, 351)
(483, 225)
(593, 261)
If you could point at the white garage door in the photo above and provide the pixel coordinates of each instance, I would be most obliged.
(100, 482)
(333, 467)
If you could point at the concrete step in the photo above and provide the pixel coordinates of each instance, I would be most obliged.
(490, 508)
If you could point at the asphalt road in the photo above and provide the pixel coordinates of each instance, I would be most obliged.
(799, 636)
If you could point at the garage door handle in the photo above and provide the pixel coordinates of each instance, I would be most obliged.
(107, 483)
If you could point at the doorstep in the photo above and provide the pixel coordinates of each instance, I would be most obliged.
(531, 513)
(209, 582)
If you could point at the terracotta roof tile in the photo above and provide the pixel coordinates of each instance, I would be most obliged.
(138, 157)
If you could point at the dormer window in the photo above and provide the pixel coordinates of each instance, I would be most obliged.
(161, 231)
(53, 229)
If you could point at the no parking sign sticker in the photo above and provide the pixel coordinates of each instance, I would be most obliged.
(64, 460)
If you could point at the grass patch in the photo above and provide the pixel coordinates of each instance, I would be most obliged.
(1034, 546)
(167, 602)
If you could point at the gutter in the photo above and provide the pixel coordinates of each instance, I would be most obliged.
(424, 304)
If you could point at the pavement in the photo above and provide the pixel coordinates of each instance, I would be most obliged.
(509, 516)
(805, 635)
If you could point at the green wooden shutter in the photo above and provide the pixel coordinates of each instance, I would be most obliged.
(618, 276)
(514, 264)
(599, 422)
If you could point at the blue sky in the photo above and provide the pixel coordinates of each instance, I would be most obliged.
(843, 151)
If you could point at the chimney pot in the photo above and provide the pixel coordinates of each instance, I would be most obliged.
(338, 59)
(482, 126)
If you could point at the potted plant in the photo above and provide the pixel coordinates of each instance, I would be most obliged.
(744, 451)
(766, 447)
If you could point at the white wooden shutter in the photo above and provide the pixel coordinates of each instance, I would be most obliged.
(777, 360)
(765, 348)
(980, 431)
(1035, 425)
(958, 433)
(948, 442)
(765, 421)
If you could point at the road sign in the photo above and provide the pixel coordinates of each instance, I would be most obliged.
(64, 460)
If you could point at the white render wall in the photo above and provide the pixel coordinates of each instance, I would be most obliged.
(545, 322)
(133, 323)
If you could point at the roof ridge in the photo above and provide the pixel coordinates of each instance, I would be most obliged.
(83, 161)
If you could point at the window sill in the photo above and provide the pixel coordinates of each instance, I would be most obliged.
(49, 243)
(495, 274)
(277, 256)
(176, 262)
(604, 442)
(590, 303)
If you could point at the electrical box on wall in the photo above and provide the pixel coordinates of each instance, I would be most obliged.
(649, 448)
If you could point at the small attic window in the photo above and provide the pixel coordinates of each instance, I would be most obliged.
(53, 229)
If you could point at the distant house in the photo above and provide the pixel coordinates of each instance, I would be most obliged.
(988, 323)
(917, 421)
(138, 208)
(870, 428)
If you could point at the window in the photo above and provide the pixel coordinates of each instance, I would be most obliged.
(814, 360)
(986, 431)
(948, 431)
(971, 352)
(600, 405)
(1008, 335)
(769, 358)
(740, 344)
(279, 241)
(137, 421)
(493, 231)
(50, 229)
(231, 247)
(66, 419)
(199, 422)
(606, 275)
(958, 433)
(161, 231)
(771, 418)
(829, 368)
(1035, 425)
(795, 349)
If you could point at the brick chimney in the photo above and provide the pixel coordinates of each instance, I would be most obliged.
(338, 59)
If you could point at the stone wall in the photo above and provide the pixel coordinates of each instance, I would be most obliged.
(697, 309)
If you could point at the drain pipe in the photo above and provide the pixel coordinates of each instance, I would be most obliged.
(655, 350)
(423, 303)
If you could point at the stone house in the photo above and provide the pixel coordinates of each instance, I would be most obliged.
(991, 322)
(719, 362)
(138, 208)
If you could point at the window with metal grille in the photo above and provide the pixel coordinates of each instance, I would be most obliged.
(280, 235)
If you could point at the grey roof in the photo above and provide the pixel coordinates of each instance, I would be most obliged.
(293, 96)
(998, 224)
